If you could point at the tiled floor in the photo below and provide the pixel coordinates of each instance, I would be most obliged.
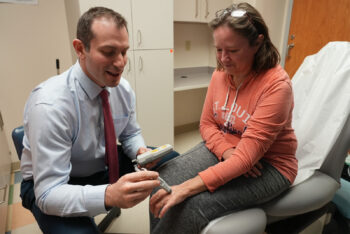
(134, 220)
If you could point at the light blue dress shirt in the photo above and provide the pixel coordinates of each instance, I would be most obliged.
(64, 136)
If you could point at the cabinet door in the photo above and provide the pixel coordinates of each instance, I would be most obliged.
(123, 7)
(152, 24)
(129, 70)
(154, 95)
(210, 7)
(198, 10)
(5, 173)
(186, 10)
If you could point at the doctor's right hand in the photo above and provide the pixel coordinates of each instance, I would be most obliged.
(131, 189)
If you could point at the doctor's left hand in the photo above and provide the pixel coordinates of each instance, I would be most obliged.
(150, 165)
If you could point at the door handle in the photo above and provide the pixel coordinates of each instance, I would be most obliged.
(139, 39)
(206, 8)
(289, 47)
(129, 65)
(4, 195)
(140, 63)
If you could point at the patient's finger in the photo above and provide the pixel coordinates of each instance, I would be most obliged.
(156, 198)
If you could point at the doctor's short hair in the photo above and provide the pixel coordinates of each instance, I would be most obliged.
(84, 32)
(248, 22)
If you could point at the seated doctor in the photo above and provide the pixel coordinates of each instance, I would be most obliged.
(246, 120)
(71, 123)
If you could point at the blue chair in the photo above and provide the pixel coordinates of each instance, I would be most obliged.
(17, 137)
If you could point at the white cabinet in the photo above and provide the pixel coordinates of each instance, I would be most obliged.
(186, 10)
(153, 63)
(154, 95)
(5, 173)
(212, 6)
(198, 10)
(152, 24)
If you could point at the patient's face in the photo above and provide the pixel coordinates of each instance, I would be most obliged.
(233, 51)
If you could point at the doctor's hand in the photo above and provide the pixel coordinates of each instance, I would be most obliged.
(131, 189)
(150, 165)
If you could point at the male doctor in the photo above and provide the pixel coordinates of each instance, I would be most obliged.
(65, 177)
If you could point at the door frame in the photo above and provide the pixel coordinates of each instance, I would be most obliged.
(286, 31)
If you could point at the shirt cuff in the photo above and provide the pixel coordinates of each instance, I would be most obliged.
(95, 199)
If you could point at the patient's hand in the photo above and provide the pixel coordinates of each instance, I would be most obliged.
(228, 153)
(255, 171)
(162, 201)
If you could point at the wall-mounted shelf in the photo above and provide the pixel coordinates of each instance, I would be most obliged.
(192, 78)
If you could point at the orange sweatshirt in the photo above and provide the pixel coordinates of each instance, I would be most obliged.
(259, 125)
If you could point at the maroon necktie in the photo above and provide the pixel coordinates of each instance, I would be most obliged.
(111, 157)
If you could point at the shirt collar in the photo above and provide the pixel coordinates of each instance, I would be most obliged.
(90, 87)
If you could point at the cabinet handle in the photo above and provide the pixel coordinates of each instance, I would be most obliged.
(129, 66)
(206, 8)
(139, 39)
(196, 13)
(140, 64)
(4, 196)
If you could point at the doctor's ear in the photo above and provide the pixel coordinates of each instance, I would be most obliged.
(79, 48)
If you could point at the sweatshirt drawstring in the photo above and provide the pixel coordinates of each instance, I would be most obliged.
(227, 95)
(233, 104)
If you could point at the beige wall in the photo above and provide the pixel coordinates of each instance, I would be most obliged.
(200, 39)
(188, 104)
(32, 37)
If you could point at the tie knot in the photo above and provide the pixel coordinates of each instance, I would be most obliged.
(104, 95)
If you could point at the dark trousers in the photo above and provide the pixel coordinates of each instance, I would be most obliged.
(70, 225)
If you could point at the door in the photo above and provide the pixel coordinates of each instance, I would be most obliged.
(314, 23)
(155, 95)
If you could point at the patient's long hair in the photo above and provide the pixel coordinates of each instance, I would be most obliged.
(249, 24)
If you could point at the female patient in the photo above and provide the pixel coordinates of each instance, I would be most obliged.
(246, 121)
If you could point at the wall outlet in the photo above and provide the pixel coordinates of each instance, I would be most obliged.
(188, 45)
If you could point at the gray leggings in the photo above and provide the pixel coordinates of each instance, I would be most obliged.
(192, 215)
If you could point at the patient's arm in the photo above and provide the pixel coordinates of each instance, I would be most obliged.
(254, 172)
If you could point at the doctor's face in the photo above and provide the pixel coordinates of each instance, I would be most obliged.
(104, 62)
(233, 51)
